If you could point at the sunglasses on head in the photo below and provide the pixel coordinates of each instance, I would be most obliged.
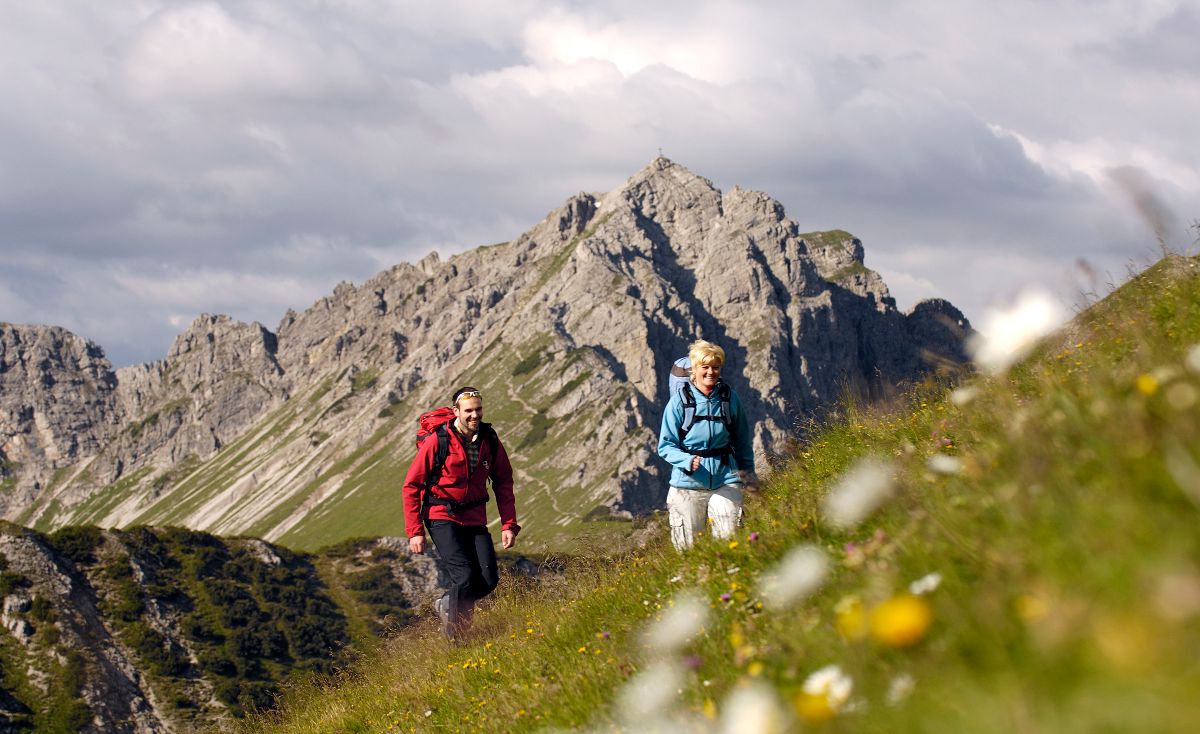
(467, 394)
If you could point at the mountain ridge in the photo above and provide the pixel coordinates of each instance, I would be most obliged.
(569, 328)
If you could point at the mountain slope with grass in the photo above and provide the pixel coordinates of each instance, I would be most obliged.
(1016, 553)
(301, 435)
(160, 630)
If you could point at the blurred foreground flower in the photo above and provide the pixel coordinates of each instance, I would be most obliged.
(754, 709)
(1177, 595)
(1147, 384)
(682, 621)
(1192, 361)
(798, 574)
(963, 395)
(1007, 335)
(651, 693)
(926, 584)
(943, 464)
(900, 689)
(850, 618)
(1183, 469)
(824, 693)
(862, 489)
(901, 621)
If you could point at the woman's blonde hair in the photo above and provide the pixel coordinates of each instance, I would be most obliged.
(702, 352)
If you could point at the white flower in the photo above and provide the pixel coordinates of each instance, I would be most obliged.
(1006, 336)
(963, 395)
(861, 490)
(754, 709)
(1183, 469)
(943, 464)
(652, 692)
(1192, 360)
(900, 688)
(927, 583)
(1181, 396)
(1177, 595)
(682, 621)
(832, 683)
(798, 574)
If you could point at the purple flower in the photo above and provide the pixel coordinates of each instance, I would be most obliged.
(753, 536)
(692, 662)
(726, 596)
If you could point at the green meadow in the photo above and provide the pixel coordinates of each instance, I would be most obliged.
(1032, 565)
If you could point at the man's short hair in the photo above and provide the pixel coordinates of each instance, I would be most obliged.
(468, 392)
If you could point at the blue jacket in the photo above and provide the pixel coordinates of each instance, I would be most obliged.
(713, 472)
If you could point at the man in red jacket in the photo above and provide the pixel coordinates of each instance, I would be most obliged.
(453, 507)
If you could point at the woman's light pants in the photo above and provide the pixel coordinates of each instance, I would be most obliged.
(689, 509)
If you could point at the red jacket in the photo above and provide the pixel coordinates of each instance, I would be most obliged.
(454, 484)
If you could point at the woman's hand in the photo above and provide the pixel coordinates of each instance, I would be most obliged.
(695, 463)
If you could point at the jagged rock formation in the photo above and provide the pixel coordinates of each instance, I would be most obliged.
(177, 631)
(300, 435)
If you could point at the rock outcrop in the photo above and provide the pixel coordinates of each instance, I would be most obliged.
(176, 631)
(569, 330)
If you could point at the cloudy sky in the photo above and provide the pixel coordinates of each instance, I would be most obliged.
(162, 159)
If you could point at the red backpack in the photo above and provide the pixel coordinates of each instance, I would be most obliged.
(437, 423)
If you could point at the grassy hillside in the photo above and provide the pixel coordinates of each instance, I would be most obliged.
(1035, 566)
(353, 482)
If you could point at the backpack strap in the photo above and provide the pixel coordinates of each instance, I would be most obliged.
(689, 411)
(442, 434)
(439, 461)
(724, 395)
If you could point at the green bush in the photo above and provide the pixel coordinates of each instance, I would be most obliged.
(10, 581)
(78, 542)
(527, 365)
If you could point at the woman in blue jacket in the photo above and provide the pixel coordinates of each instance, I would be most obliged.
(706, 438)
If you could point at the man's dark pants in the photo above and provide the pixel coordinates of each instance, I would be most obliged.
(468, 561)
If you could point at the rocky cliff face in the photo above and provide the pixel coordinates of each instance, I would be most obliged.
(569, 330)
(57, 400)
(177, 631)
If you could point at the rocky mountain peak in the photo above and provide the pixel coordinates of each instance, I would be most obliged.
(56, 398)
(667, 194)
(569, 329)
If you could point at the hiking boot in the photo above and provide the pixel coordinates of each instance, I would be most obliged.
(442, 607)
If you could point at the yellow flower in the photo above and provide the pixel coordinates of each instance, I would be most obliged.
(755, 669)
(823, 694)
(901, 621)
(733, 544)
(710, 709)
(736, 638)
(1031, 608)
(1147, 384)
(813, 708)
(850, 618)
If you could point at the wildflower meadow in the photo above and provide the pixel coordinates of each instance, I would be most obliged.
(1015, 550)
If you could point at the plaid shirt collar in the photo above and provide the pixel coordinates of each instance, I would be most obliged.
(472, 446)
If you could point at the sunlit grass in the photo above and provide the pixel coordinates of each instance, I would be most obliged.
(1034, 565)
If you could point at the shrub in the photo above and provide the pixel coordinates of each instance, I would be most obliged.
(78, 543)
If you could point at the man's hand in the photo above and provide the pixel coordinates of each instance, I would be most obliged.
(416, 544)
(507, 538)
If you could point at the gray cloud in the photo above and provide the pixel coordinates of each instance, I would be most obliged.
(163, 159)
